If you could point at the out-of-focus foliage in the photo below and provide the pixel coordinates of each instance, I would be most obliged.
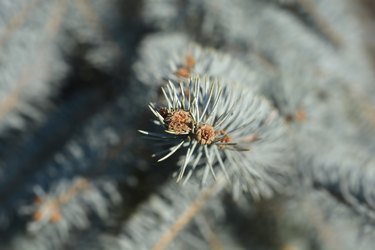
(76, 77)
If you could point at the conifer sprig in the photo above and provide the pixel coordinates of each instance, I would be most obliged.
(222, 126)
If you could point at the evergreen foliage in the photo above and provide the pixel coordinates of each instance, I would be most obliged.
(194, 124)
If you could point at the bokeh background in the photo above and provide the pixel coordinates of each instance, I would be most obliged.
(76, 174)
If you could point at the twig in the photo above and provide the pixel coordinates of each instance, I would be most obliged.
(189, 213)
(17, 21)
(321, 23)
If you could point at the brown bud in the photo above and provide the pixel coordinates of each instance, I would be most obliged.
(37, 215)
(56, 216)
(190, 61)
(179, 122)
(205, 134)
(183, 72)
(300, 115)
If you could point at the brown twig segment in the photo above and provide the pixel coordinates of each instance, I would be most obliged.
(54, 23)
(184, 219)
(324, 27)
(90, 14)
(17, 21)
(211, 237)
(51, 207)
